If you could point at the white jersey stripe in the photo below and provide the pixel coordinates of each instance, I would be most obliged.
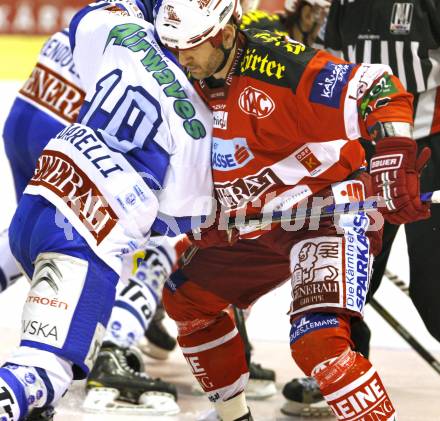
(231, 390)
(401, 63)
(212, 344)
(384, 53)
(417, 66)
(350, 387)
(367, 52)
(424, 114)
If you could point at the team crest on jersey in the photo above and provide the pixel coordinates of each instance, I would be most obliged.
(255, 102)
(401, 18)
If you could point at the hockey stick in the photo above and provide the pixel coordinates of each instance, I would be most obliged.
(402, 285)
(415, 345)
(241, 327)
(291, 215)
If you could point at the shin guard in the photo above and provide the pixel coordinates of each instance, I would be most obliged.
(353, 389)
(216, 357)
(321, 346)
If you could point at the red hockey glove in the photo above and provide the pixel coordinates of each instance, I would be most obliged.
(395, 169)
(214, 237)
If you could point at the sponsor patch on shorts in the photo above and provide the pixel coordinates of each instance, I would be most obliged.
(310, 323)
(317, 274)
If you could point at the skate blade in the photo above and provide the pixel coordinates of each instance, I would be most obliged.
(209, 415)
(104, 399)
(297, 409)
(154, 351)
(255, 389)
(260, 389)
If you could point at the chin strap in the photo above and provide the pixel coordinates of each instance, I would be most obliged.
(226, 52)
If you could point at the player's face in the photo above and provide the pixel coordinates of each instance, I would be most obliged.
(309, 16)
(202, 61)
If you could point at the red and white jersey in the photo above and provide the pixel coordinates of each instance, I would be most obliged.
(287, 119)
(404, 35)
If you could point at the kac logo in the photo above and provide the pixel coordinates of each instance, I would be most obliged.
(255, 102)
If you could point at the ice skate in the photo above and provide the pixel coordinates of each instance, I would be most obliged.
(41, 414)
(261, 383)
(212, 415)
(118, 384)
(158, 343)
(304, 399)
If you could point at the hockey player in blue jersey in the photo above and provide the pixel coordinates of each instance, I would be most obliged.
(94, 183)
(47, 102)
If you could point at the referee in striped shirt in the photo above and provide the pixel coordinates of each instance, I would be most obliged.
(406, 36)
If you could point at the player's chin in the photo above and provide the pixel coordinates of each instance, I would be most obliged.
(198, 74)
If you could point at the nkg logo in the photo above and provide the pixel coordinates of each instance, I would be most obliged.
(254, 102)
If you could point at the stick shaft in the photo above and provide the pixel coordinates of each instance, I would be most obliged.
(410, 340)
(299, 214)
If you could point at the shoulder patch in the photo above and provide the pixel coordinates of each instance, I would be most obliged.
(259, 19)
(329, 83)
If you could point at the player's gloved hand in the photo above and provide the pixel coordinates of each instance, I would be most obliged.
(395, 169)
(214, 236)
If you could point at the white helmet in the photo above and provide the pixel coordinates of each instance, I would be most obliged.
(184, 24)
(292, 5)
(249, 5)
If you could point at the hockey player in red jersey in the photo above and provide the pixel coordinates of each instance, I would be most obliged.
(286, 123)
(300, 19)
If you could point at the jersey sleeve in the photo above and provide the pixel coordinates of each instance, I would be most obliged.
(122, 98)
(336, 99)
(141, 104)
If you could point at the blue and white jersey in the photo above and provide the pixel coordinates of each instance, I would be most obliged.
(48, 101)
(142, 144)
